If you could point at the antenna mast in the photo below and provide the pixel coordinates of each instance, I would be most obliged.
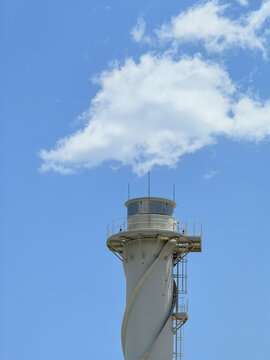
(149, 184)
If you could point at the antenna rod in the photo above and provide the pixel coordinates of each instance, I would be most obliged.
(128, 191)
(148, 183)
(174, 192)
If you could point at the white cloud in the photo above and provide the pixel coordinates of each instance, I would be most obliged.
(208, 24)
(251, 120)
(153, 112)
(101, 8)
(138, 32)
(210, 174)
(243, 2)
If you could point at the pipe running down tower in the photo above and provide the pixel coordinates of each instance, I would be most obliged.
(151, 242)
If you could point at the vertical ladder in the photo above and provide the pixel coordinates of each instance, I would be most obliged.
(181, 308)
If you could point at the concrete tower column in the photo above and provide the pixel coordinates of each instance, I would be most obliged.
(149, 242)
(147, 324)
(148, 265)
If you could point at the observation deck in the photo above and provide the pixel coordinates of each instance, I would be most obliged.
(153, 218)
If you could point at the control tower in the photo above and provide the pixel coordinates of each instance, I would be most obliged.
(153, 244)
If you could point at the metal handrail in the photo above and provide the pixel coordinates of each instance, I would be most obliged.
(182, 305)
(148, 221)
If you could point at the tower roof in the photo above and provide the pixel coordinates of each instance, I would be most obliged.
(150, 205)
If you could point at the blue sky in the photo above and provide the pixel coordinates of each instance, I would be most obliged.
(93, 95)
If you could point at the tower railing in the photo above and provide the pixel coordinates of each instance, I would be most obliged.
(154, 221)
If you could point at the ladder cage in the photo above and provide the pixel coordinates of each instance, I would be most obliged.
(180, 276)
(178, 351)
(181, 307)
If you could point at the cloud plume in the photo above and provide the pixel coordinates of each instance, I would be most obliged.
(138, 32)
(151, 112)
(207, 23)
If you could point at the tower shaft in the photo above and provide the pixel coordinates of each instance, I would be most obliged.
(150, 242)
(146, 328)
